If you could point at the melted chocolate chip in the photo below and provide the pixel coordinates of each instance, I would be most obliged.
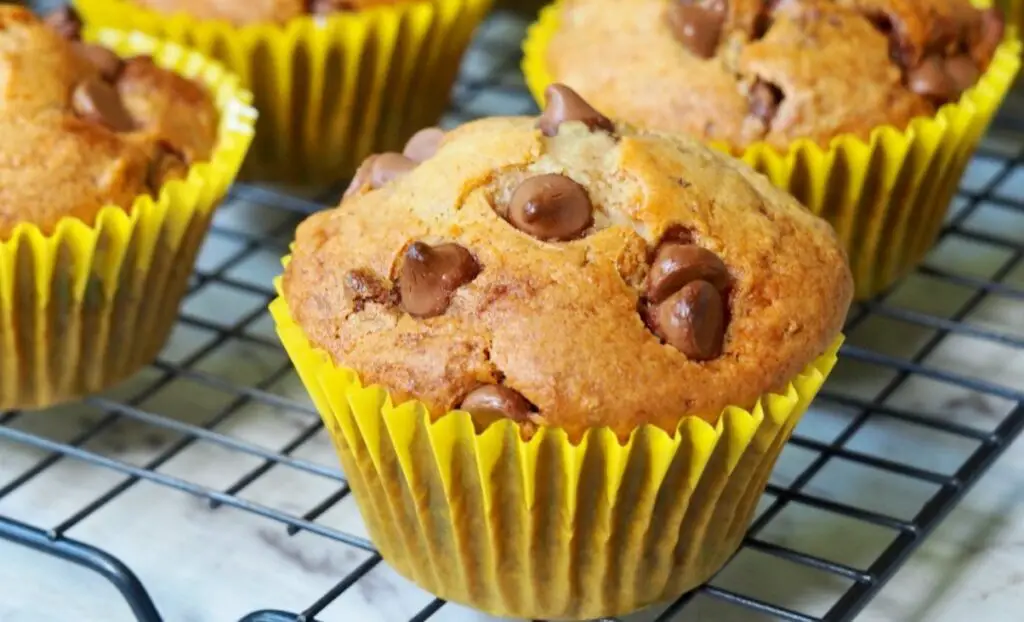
(377, 170)
(98, 101)
(326, 7)
(106, 62)
(993, 29)
(763, 19)
(962, 72)
(66, 22)
(431, 274)
(901, 51)
(698, 26)
(679, 234)
(551, 207)
(361, 178)
(564, 105)
(167, 164)
(493, 402)
(676, 265)
(693, 321)
(364, 286)
(929, 79)
(389, 166)
(423, 144)
(765, 98)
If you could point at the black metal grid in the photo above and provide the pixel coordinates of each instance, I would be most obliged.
(490, 84)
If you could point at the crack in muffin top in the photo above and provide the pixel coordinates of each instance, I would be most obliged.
(743, 71)
(569, 272)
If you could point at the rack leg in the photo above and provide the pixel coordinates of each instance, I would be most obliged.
(89, 557)
(269, 615)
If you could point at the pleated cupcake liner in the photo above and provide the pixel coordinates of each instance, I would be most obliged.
(330, 90)
(886, 196)
(1014, 12)
(548, 528)
(87, 305)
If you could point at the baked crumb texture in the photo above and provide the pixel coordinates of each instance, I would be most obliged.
(83, 128)
(746, 71)
(568, 271)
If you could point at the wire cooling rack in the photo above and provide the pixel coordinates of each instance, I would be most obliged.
(929, 392)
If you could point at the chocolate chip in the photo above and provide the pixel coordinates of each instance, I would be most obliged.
(551, 207)
(762, 22)
(765, 98)
(361, 178)
(377, 170)
(693, 321)
(167, 164)
(98, 101)
(364, 286)
(929, 80)
(66, 22)
(565, 105)
(679, 234)
(326, 7)
(698, 26)
(493, 402)
(901, 50)
(962, 71)
(106, 62)
(431, 274)
(423, 144)
(676, 265)
(993, 30)
(389, 166)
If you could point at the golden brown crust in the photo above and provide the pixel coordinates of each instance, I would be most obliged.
(838, 68)
(261, 11)
(558, 321)
(56, 163)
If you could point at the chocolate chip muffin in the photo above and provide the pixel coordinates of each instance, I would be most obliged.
(568, 272)
(334, 80)
(746, 71)
(111, 165)
(266, 11)
(84, 128)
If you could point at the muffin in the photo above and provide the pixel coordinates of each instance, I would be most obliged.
(334, 80)
(855, 107)
(558, 357)
(109, 169)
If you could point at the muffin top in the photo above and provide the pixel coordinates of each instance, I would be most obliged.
(83, 128)
(742, 71)
(261, 11)
(568, 272)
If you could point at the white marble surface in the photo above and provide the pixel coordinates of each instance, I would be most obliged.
(206, 565)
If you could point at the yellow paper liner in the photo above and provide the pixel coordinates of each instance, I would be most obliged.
(546, 528)
(330, 90)
(886, 196)
(88, 305)
(1014, 12)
